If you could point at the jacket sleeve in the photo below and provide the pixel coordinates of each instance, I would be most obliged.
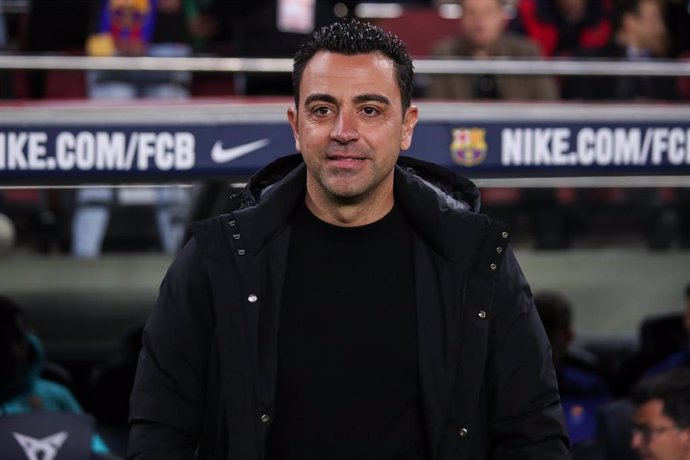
(167, 401)
(526, 418)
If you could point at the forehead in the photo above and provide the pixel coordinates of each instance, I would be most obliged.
(651, 413)
(339, 75)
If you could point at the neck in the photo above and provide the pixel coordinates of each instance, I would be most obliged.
(354, 214)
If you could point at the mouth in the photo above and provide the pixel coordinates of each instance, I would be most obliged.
(352, 158)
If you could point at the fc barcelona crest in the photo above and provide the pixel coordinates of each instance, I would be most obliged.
(468, 147)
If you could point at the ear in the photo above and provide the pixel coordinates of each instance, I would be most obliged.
(293, 119)
(409, 122)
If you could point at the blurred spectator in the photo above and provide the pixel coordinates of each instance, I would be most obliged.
(678, 21)
(111, 382)
(54, 26)
(661, 422)
(639, 34)
(134, 28)
(202, 22)
(275, 29)
(110, 386)
(154, 28)
(21, 360)
(564, 27)
(483, 36)
(581, 388)
(659, 336)
(680, 358)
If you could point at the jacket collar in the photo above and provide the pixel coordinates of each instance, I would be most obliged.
(429, 193)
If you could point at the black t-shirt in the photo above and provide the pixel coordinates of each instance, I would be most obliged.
(348, 379)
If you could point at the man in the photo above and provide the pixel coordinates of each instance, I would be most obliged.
(564, 27)
(680, 358)
(582, 388)
(354, 304)
(483, 36)
(639, 34)
(662, 417)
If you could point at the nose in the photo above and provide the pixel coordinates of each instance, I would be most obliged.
(345, 128)
(636, 442)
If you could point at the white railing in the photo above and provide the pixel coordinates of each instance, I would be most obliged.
(422, 66)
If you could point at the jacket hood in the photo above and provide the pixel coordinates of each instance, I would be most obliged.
(430, 195)
(451, 188)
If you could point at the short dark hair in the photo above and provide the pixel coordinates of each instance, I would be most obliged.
(673, 389)
(554, 310)
(351, 37)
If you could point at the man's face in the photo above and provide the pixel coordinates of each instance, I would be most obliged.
(482, 22)
(656, 436)
(350, 126)
(647, 27)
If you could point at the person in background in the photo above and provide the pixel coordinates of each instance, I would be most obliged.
(640, 34)
(681, 358)
(335, 312)
(21, 359)
(582, 388)
(154, 28)
(274, 29)
(678, 22)
(483, 36)
(52, 27)
(564, 27)
(661, 421)
(201, 22)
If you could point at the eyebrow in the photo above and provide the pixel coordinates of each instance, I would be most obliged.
(322, 97)
(357, 99)
(372, 97)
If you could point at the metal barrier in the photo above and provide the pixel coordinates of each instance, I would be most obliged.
(422, 66)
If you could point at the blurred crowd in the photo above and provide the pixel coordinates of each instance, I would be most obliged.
(605, 387)
(633, 30)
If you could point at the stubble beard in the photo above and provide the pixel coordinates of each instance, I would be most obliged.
(341, 196)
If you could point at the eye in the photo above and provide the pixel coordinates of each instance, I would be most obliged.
(370, 111)
(321, 110)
